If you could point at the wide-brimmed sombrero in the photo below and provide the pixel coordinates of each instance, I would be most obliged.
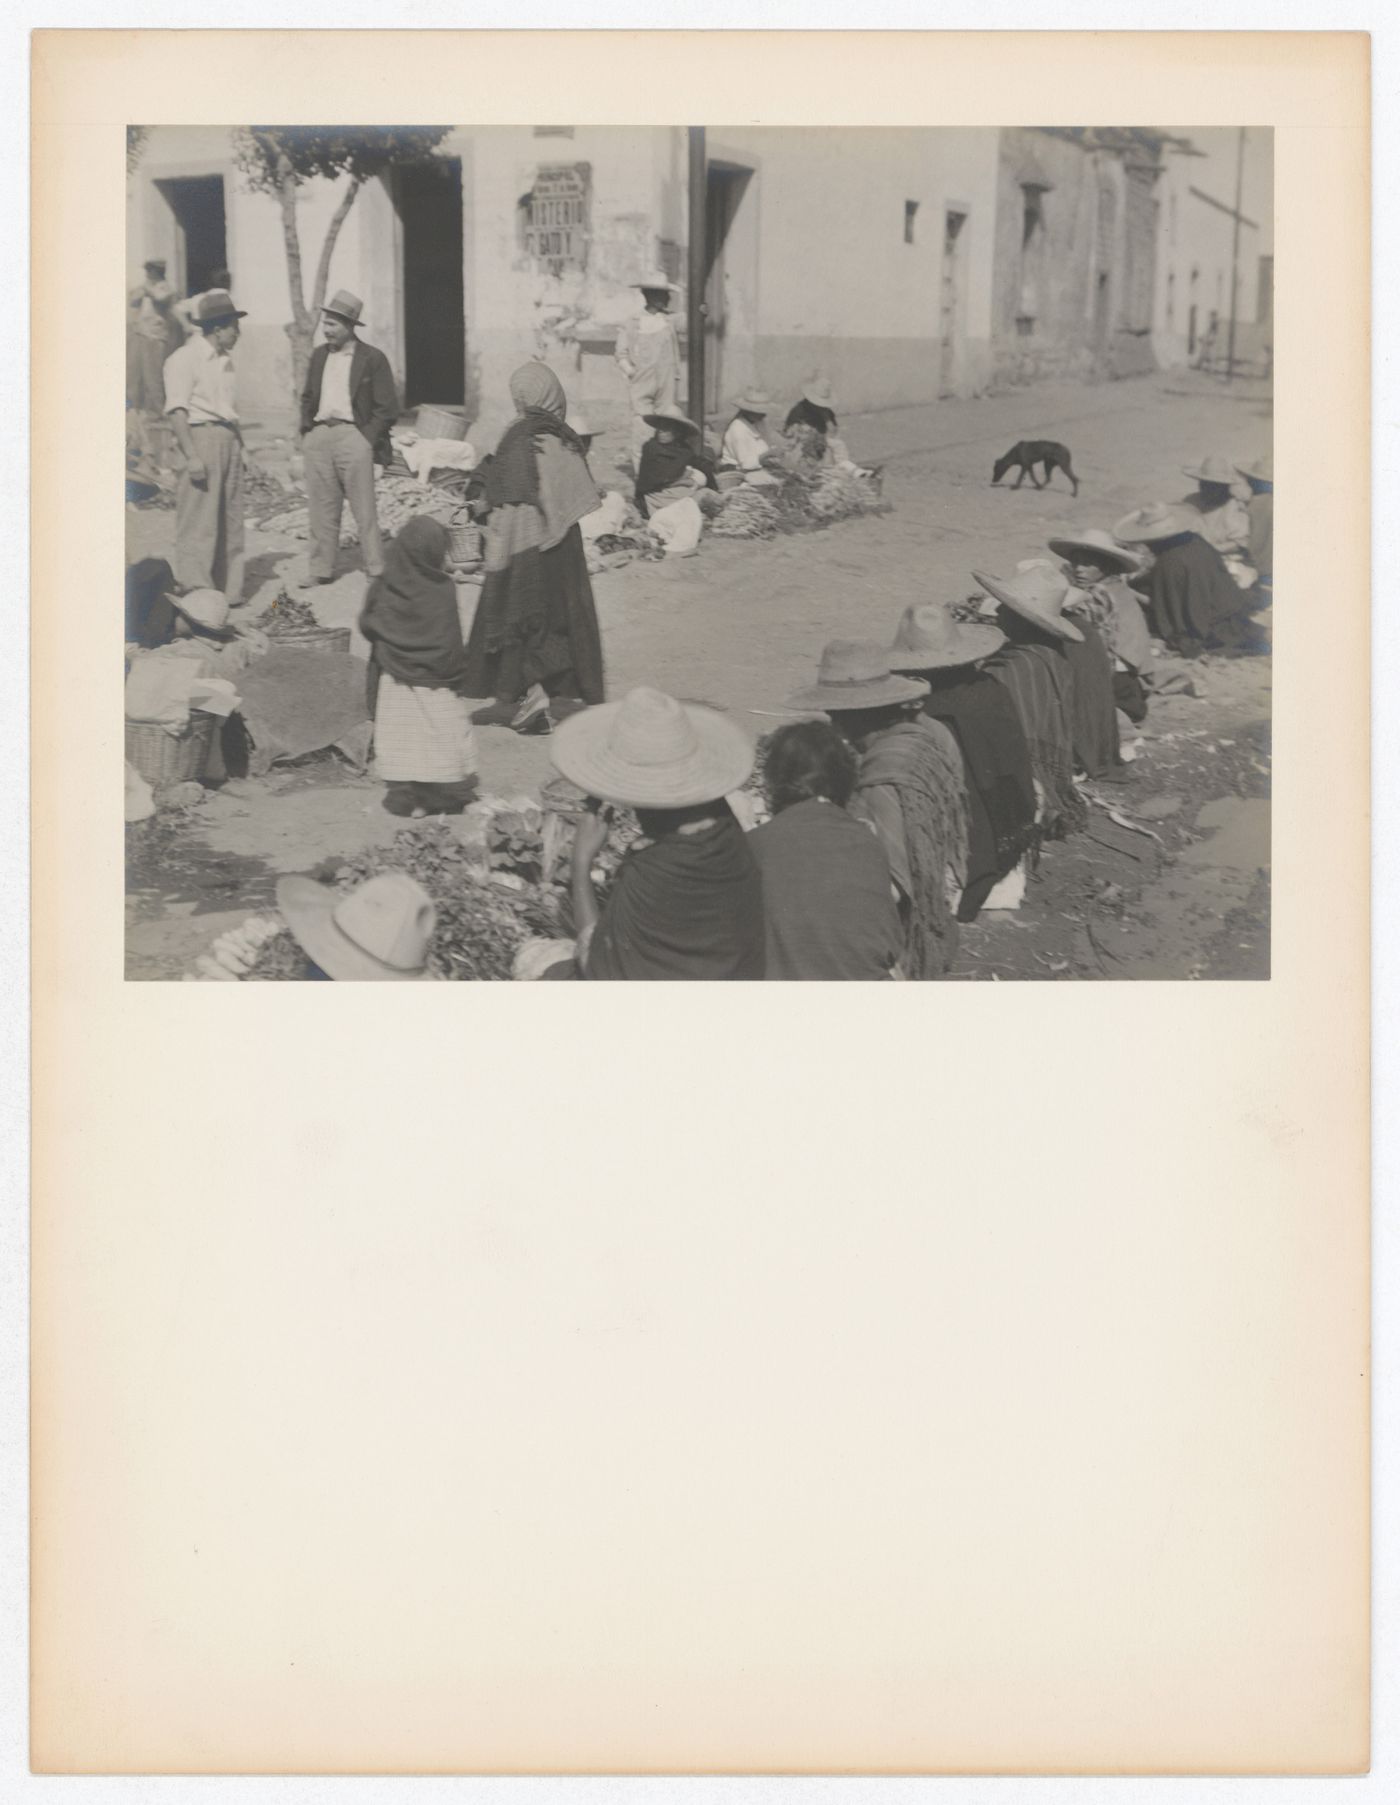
(1212, 469)
(1260, 469)
(856, 673)
(818, 392)
(1038, 595)
(671, 416)
(651, 751)
(752, 401)
(1155, 522)
(932, 638)
(1094, 546)
(381, 930)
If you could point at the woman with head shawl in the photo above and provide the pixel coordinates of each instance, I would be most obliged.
(947, 653)
(828, 899)
(687, 901)
(424, 747)
(534, 645)
(909, 788)
(1192, 603)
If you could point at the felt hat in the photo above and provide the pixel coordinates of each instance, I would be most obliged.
(654, 278)
(207, 608)
(1212, 469)
(932, 638)
(856, 673)
(381, 930)
(344, 306)
(1038, 595)
(577, 424)
(753, 401)
(216, 306)
(651, 751)
(818, 392)
(671, 416)
(1261, 469)
(1094, 546)
(1155, 522)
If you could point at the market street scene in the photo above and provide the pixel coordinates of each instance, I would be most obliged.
(909, 617)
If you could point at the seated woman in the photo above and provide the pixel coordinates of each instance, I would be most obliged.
(1259, 474)
(946, 652)
(424, 746)
(909, 787)
(157, 614)
(687, 901)
(1219, 512)
(534, 641)
(1099, 569)
(745, 447)
(816, 410)
(1093, 716)
(828, 899)
(1192, 604)
(673, 466)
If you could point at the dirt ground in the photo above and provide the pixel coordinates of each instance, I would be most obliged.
(742, 624)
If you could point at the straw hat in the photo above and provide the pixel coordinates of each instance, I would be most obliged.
(654, 278)
(1039, 595)
(1094, 546)
(1155, 522)
(932, 638)
(1260, 468)
(578, 425)
(753, 401)
(818, 392)
(381, 930)
(344, 306)
(671, 416)
(207, 608)
(855, 673)
(1212, 469)
(650, 751)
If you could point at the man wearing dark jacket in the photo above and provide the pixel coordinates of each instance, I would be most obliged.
(347, 407)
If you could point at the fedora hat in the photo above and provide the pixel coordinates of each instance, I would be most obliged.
(818, 392)
(932, 638)
(753, 401)
(650, 751)
(381, 930)
(671, 416)
(1094, 546)
(217, 306)
(856, 673)
(1261, 469)
(207, 608)
(1155, 522)
(1038, 595)
(654, 278)
(1212, 469)
(344, 306)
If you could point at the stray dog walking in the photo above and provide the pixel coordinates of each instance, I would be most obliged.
(1030, 452)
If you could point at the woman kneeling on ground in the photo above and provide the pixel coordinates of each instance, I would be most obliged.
(687, 900)
(424, 747)
(909, 787)
(828, 899)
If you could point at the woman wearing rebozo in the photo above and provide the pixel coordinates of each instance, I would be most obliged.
(534, 645)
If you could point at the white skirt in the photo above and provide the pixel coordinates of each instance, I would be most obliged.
(422, 735)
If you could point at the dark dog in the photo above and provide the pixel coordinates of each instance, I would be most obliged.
(1028, 454)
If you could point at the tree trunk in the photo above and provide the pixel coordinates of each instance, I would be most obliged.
(302, 325)
(323, 267)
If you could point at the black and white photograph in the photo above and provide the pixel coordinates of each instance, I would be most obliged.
(579, 552)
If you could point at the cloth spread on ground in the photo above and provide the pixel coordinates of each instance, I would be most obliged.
(1038, 682)
(919, 761)
(410, 615)
(827, 901)
(1000, 789)
(1193, 602)
(300, 699)
(1093, 723)
(423, 456)
(686, 906)
(163, 690)
(679, 525)
(663, 466)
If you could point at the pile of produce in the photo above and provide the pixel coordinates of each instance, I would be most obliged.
(286, 615)
(261, 489)
(812, 495)
(398, 497)
(746, 514)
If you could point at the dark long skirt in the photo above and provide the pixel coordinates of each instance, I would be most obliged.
(536, 623)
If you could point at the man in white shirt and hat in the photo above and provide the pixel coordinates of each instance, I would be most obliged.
(201, 404)
(347, 407)
(648, 354)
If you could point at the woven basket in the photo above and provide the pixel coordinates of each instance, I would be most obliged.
(313, 639)
(163, 757)
(464, 540)
(441, 423)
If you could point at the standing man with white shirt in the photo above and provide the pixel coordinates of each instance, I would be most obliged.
(201, 403)
(347, 408)
(648, 354)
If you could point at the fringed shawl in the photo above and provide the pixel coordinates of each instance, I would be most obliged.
(1039, 682)
(1000, 789)
(685, 906)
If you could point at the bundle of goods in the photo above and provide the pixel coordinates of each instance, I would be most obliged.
(261, 488)
(397, 499)
(632, 542)
(286, 615)
(746, 514)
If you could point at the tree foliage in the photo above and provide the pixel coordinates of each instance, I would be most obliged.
(136, 136)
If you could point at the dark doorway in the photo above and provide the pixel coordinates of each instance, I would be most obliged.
(201, 233)
(429, 199)
(724, 190)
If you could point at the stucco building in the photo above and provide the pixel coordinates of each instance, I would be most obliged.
(1196, 252)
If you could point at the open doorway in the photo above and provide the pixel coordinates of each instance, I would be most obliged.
(429, 201)
(196, 205)
(725, 184)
